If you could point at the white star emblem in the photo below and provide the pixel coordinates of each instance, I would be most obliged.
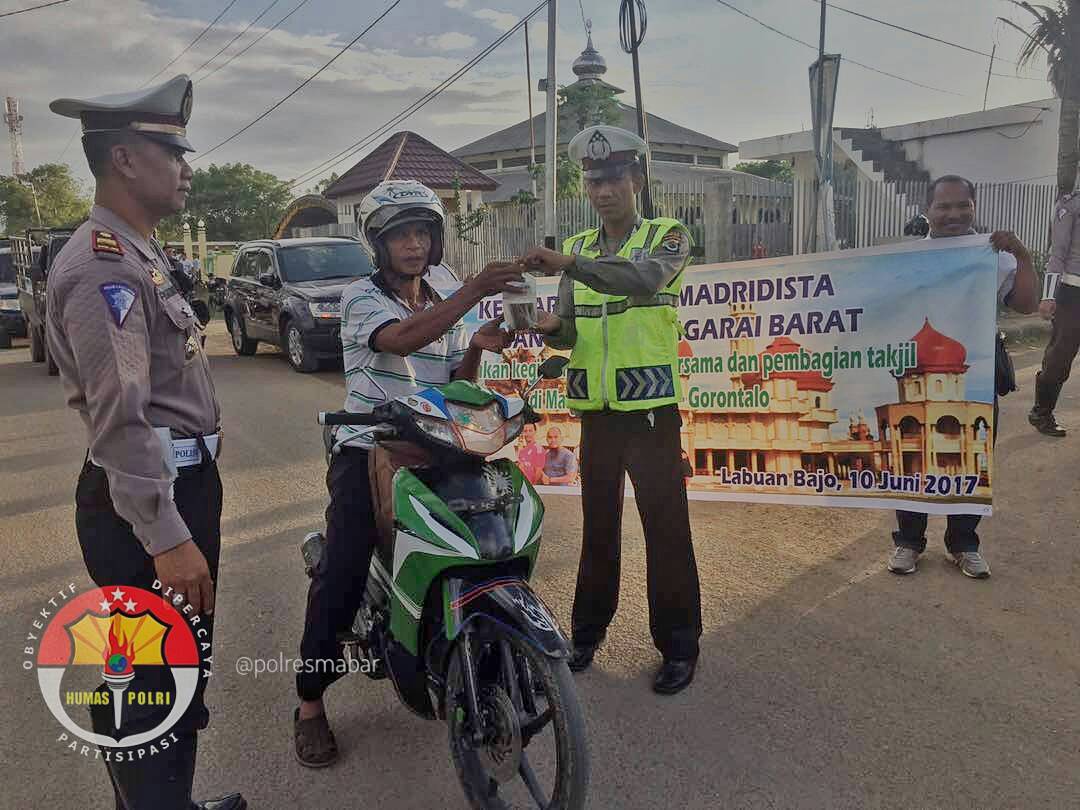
(118, 594)
(129, 605)
(104, 606)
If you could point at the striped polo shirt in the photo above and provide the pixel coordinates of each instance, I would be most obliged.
(372, 377)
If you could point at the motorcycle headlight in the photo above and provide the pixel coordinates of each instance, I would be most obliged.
(10, 304)
(325, 310)
(482, 430)
(513, 428)
(438, 429)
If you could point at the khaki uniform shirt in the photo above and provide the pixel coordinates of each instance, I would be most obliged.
(612, 274)
(1064, 243)
(128, 350)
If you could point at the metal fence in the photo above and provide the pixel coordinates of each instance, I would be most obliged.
(742, 217)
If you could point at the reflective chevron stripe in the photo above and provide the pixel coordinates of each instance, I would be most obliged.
(644, 382)
(577, 383)
(619, 307)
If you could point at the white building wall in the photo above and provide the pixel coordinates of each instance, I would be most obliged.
(1016, 143)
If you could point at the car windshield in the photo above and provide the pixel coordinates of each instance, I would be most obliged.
(320, 262)
(7, 271)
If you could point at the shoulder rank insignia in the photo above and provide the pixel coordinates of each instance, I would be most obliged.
(105, 242)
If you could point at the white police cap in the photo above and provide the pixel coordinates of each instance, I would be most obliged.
(160, 112)
(606, 151)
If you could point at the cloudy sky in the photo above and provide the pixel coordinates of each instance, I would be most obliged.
(704, 66)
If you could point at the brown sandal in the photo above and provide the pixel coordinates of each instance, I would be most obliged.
(315, 744)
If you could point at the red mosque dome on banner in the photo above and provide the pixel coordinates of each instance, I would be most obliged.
(685, 349)
(938, 353)
(804, 380)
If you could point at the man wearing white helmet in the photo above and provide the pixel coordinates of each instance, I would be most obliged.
(618, 312)
(398, 335)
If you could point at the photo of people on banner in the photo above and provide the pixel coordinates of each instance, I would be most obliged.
(861, 379)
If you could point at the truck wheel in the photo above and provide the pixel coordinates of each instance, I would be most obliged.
(37, 344)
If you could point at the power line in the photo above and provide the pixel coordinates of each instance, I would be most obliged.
(262, 14)
(359, 145)
(191, 44)
(846, 59)
(911, 31)
(300, 86)
(33, 8)
(254, 42)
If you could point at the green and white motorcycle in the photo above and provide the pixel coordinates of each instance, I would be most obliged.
(448, 613)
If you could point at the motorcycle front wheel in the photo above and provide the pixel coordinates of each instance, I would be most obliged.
(528, 747)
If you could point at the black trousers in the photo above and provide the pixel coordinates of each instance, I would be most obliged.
(613, 444)
(1065, 337)
(338, 582)
(115, 557)
(960, 534)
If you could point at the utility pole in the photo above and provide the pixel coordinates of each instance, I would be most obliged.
(552, 134)
(643, 128)
(532, 128)
(990, 69)
(14, 124)
(819, 110)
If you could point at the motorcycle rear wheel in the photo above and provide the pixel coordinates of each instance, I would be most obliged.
(538, 705)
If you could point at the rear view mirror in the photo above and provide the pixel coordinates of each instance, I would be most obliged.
(552, 368)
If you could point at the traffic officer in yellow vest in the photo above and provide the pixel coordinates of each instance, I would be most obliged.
(1061, 302)
(618, 312)
(148, 501)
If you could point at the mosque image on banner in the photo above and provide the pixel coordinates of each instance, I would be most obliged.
(931, 428)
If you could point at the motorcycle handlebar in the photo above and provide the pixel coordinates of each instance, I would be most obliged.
(346, 418)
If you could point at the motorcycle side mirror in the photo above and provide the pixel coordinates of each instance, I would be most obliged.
(268, 279)
(553, 367)
(550, 369)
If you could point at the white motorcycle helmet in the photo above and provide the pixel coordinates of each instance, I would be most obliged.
(395, 203)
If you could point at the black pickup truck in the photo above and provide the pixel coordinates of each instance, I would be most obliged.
(32, 256)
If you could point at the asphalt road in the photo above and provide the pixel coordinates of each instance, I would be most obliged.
(825, 681)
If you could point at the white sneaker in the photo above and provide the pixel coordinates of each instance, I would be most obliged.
(971, 564)
(904, 560)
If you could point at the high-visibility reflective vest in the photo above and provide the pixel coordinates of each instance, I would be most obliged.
(626, 357)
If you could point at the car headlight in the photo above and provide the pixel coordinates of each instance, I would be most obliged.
(325, 310)
(10, 304)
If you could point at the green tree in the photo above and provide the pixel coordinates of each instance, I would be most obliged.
(60, 199)
(1055, 34)
(584, 105)
(237, 201)
(324, 184)
(567, 178)
(769, 169)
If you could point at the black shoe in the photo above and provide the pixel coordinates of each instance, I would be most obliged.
(581, 657)
(234, 801)
(1045, 423)
(674, 676)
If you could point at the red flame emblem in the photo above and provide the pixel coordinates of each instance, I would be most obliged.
(120, 654)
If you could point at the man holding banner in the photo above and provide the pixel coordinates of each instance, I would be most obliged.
(951, 212)
(618, 312)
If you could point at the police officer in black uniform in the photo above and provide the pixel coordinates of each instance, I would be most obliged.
(148, 501)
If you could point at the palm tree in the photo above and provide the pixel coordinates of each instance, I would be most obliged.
(1056, 33)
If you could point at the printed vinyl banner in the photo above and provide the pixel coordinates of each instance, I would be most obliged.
(863, 378)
